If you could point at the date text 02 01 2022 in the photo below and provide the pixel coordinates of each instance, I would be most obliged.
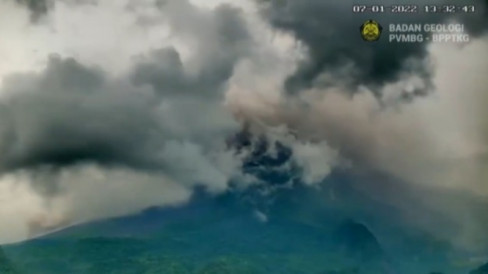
(413, 9)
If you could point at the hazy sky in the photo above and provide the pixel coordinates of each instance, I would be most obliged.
(109, 107)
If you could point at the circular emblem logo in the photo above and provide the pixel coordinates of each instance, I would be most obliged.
(371, 30)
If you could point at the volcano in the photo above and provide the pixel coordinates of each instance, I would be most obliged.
(230, 234)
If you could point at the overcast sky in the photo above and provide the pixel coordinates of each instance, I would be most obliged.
(109, 107)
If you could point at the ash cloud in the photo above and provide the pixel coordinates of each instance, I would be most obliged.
(436, 144)
(159, 126)
(70, 113)
(37, 8)
(226, 40)
(139, 103)
(335, 51)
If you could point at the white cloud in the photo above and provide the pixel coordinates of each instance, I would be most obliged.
(20, 204)
(86, 192)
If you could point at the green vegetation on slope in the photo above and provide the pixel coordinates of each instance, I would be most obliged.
(6, 267)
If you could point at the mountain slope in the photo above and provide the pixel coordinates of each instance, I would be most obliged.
(6, 267)
(206, 236)
(301, 231)
(481, 270)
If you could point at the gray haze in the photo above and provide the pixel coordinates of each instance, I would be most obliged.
(109, 107)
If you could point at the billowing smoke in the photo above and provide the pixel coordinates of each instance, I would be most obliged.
(147, 100)
(435, 146)
(160, 121)
(38, 8)
(335, 54)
